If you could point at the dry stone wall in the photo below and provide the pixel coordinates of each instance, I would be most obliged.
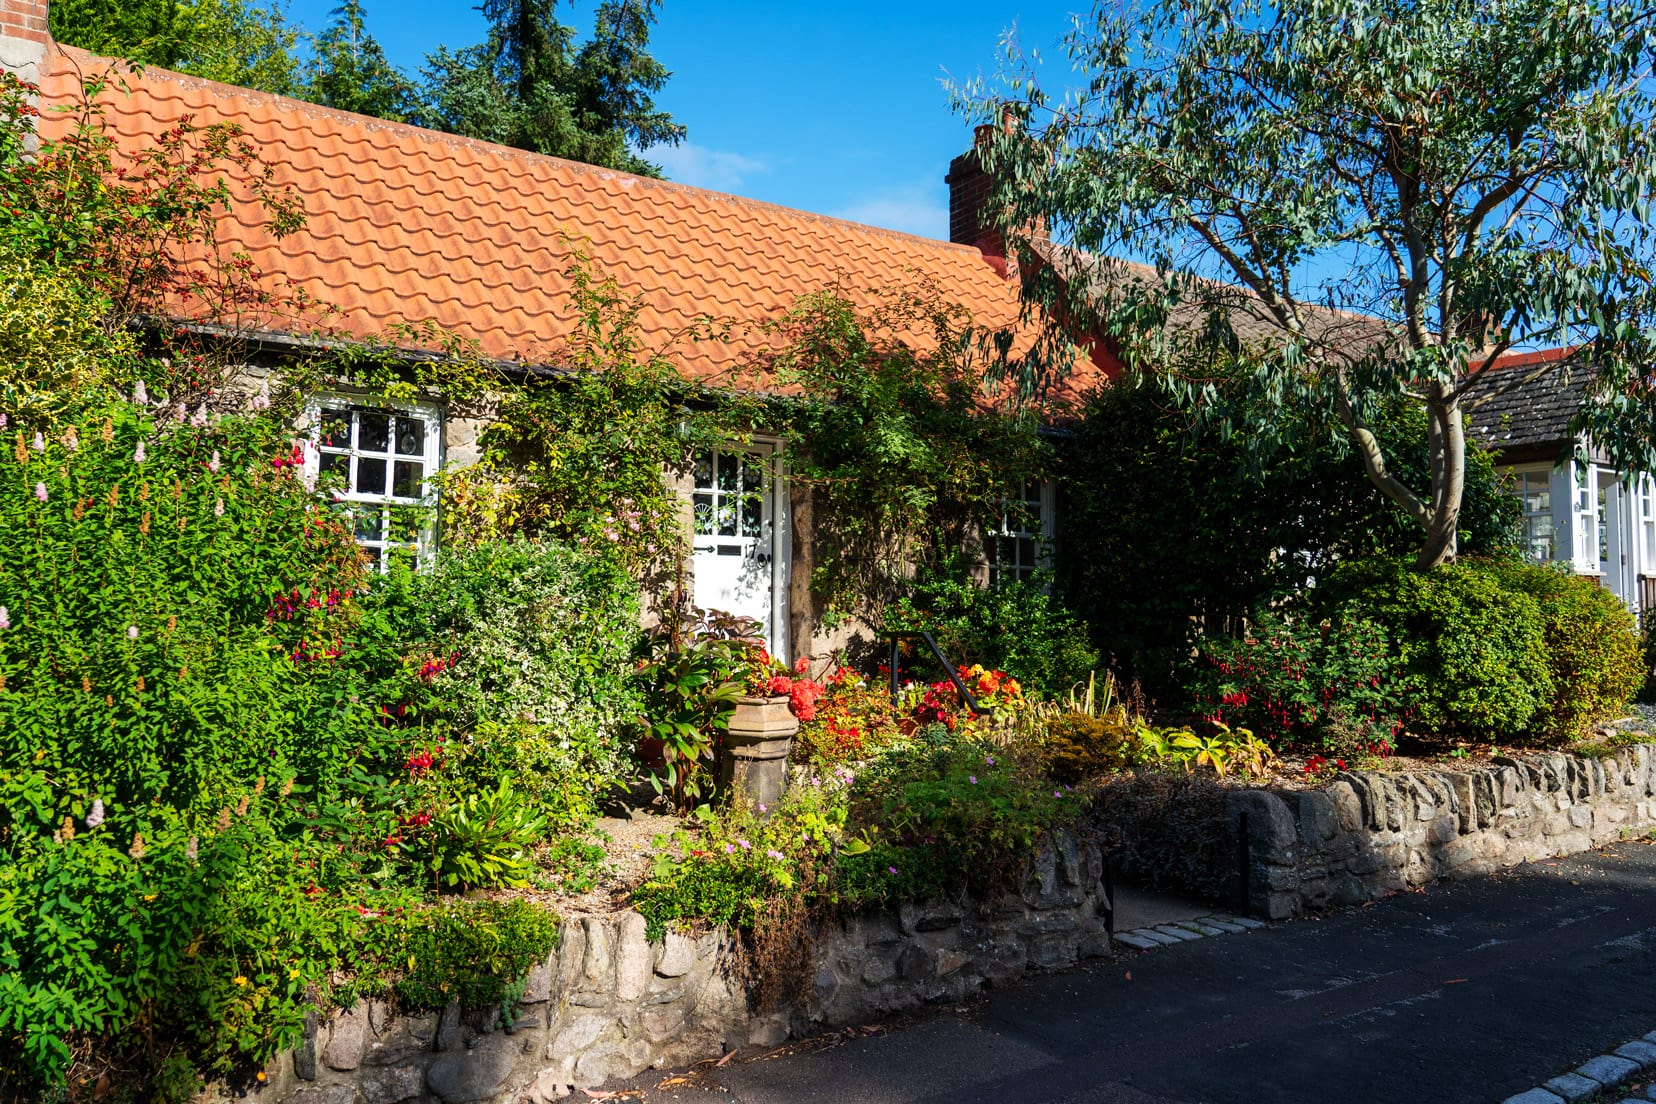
(1369, 834)
(608, 1003)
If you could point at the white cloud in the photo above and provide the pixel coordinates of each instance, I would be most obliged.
(918, 208)
(701, 167)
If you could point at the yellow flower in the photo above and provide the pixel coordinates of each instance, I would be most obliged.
(261, 1075)
(240, 980)
(293, 974)
(149, 897)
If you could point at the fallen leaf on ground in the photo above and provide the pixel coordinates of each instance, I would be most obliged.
(1455, 981)
(671, 1081)
(728, 1056)
(1129, 975)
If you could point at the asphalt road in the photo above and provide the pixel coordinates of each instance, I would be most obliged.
(1467, 992)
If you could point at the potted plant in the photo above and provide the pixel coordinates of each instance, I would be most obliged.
(762, 726)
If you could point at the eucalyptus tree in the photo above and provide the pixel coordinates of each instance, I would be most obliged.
(1342, 202)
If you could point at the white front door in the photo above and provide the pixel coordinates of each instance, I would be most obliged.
(740, 554)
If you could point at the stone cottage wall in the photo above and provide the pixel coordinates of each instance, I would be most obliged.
(1369, 834)
(608, 1003)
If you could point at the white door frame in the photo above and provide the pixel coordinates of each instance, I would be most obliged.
(779, 545)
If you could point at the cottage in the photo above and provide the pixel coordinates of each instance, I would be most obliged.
(406, 225)
(1579, 509)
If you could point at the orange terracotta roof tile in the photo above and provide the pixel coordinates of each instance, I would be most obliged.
(412, 225)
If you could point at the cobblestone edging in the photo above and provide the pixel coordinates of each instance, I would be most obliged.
(1599, 1077)
(609, 1004)
(1369, 834)
(1183, 931)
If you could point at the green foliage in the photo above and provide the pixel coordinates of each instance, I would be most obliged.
(1445, 168)
(1016, 626)
(1304, 684)
(165, 585)
(1472, 654)
(904, 460)
(474, 952)
(348, 69)
(232, 41)
(133, 235)
(1590, 645)
(1169, 535)
(55, 355)
(530, 86)
(482, 840)
(1222, 751)
(1082, 746)
(691, 682)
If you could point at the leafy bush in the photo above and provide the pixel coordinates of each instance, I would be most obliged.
(1472, 653)
(167, 586)
(1590, 645)
(1019, 627)
(1304, 684)
(474, 952)
(1080, 746)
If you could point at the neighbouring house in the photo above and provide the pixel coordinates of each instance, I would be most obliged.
(406, 225)
(1579, 509)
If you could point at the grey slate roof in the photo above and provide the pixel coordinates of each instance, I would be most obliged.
(1532, 416)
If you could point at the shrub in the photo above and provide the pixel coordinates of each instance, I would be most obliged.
(1470, 651)
(1079, 746)
(474, 952)
(1308, 684)
(1018, 627)
(1591, 647)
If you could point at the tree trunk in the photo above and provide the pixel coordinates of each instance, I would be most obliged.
(1446, 446)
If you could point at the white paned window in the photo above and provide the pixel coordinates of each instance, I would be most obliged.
(1534, 490)
(1586, 519)
(378, 461)
(1020, 543)
(1647, 523)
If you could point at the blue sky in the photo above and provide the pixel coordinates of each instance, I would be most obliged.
(836, 108)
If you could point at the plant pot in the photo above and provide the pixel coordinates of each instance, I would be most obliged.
(756, 748)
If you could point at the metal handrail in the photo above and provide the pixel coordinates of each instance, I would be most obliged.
(954, 674)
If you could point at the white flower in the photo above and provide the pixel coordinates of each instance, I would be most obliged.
(132, 632)
(39, 441)
(218, 507)
(138, 456)
(5, 618)
(140, 394)
(213, 464)
(261, 401)
(199, 418)
(96, 816)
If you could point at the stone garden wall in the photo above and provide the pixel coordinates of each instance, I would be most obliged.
(609, 1004)
(1369, 834)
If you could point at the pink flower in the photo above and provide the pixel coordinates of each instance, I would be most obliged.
(973, 777)
(744, 845)
(893, 869)
(213, 464)
(138, 456)
(777, 855)
(730, 849)
(39, 441)
(218, 507)
(40, 491)
(5, 618)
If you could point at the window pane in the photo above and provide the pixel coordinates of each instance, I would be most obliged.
(704, 470)
(370, 476)
(751, 510)
(704, 514)
(370, 525)
(406, 479)
(1026, 552)
(727, 516)
(336, 429)
(337, 464)
(411, 436)
(373, 431)
(728, 466)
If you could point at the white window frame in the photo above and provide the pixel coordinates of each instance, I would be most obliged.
(777, 542)
(1585, 511)
(1522, 482)
(357, 504)
(1004, 533)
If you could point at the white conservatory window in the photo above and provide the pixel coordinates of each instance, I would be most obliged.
(1587, 537)
(378, 462)
(1534, 490)
(1020, 543)
(1647, 522)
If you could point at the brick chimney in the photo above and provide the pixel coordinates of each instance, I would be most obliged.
(969, 192)
(24, 37)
